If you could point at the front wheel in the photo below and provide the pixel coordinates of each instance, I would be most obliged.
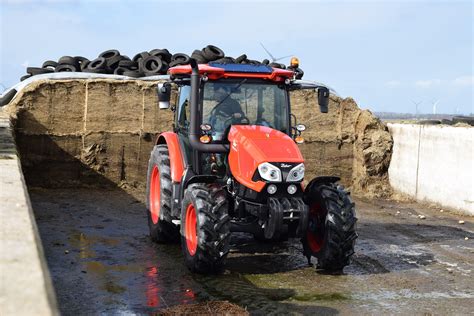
(205, 231)
(331, 234)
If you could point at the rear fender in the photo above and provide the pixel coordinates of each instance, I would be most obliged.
(309, 193)
(176, 155)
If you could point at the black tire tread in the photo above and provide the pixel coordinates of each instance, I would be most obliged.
(213, 227)
(340, 228)
(164, 230)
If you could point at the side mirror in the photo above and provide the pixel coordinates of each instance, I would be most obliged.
(323, 99)
(164, 95)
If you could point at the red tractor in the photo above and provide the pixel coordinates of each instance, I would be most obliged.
(232, 164)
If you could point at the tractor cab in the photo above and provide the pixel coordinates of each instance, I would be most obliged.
(226, 95)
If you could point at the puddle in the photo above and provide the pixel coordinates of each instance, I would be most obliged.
(84, 243)
(411, 294)
(321, 297)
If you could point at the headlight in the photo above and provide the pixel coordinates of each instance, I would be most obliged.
(296, 174)
(269, 172)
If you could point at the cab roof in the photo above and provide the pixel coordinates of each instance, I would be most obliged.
(216, 71)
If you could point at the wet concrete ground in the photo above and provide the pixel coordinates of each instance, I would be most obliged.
(102, 262)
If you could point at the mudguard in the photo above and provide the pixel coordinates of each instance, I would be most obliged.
(176, 156)
(309, 190)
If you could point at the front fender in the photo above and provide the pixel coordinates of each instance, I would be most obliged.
(313, 184)
(175, 153)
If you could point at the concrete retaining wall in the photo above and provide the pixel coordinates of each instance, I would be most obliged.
(25, 283)
(434, 164)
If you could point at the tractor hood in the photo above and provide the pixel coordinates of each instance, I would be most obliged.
(251, 145)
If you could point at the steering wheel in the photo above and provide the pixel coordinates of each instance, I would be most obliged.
(237, 118)
(219, 111)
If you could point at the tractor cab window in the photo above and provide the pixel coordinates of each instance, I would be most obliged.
(184, 111)
(239, 102)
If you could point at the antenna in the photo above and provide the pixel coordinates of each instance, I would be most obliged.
(271, 56)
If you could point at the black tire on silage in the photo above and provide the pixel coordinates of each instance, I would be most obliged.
(335, 224)
(211, 52)
(66, 68)
(38, 71)
(109, 53)
(212, 226)
(5, 99)
(133, 74)
(128, 64)
(25, 77)
(68, 60)
(198, 56)
(241, 58)
(429, 122)
(464, 119)
(49, 64)
(164, 54)
(164, 230)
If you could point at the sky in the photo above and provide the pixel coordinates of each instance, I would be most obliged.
(387, 55)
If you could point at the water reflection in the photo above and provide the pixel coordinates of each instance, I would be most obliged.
(152, 288)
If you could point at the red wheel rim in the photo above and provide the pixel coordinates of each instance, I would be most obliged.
(155, 195)
(190, 230)
(315, 232)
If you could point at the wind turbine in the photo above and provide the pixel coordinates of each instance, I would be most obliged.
(274, 60)
(416, 106)
(435, 103)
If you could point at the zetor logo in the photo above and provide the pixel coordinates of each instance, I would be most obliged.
(284, 165)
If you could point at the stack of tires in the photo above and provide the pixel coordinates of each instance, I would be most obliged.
(145, 64)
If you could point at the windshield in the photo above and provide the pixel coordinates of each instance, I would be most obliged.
(241, 102)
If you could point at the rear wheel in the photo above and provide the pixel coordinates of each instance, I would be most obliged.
(205, 230)
(331, 234)
(159, 191)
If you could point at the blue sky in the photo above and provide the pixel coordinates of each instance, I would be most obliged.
(384, 54)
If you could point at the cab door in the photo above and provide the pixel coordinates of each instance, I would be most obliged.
(182, 119)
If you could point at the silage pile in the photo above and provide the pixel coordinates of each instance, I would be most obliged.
(77, 131)
(347, 142)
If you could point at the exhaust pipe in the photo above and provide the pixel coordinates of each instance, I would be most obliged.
(195, 129)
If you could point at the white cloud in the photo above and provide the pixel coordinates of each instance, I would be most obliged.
(428, 83)
(463, 81)
(393, 83)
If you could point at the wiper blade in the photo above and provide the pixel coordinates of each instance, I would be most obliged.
(228, 95)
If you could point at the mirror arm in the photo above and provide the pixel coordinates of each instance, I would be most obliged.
(164, 95)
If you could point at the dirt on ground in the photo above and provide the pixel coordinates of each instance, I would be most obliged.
(409, 259)
(75, 132)
(207, 308)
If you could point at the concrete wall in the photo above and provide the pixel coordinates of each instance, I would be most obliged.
(25, 283)
(434, 164)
